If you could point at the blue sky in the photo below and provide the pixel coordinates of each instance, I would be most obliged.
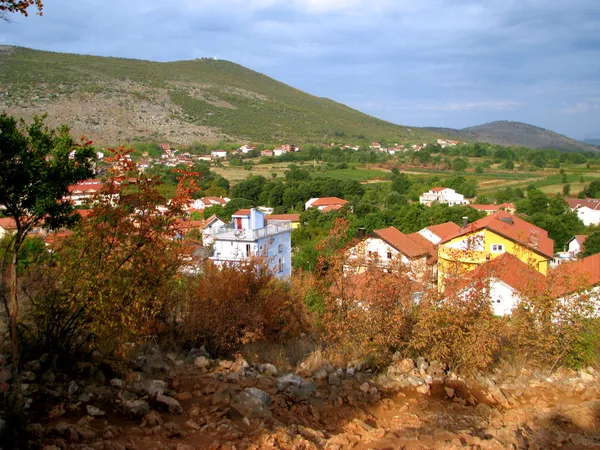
(453, 63)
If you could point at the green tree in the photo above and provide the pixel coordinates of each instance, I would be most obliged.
(37, 166)
(591, 246)
(509, 165)
(401, 184)
(459, 165)
(566, 190)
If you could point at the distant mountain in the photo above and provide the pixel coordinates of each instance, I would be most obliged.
(517, 133)
(592, 141)
(114, 100)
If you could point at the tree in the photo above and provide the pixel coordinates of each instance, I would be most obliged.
(591, 246)
(401, 184)
(459, 165)
(566, 190)
(37, 166)
(19, 6)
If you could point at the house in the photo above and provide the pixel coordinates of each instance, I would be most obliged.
(7, 226)
(248, 236)
(491, 209)
(435, 233)
(326, 204)
(292, 219)
(279, 151)
(83, 192)
(490, 237)
(575, 244)
(247, 148)
(215, 154)
(442, 195)
(375, 146)
(504, 280)
(587, 209)
(352, 147)
(212, 226)
(290, 148)
(205, 202)
(386, 247)
(164, 147)
(266, 153)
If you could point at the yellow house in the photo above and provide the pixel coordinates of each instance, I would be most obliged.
(490, 237)
(293, 219)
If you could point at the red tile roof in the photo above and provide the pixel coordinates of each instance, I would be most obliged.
(572, 276)
(331, 208)
(437, 189)
(485, 207)
(513, 228)
(290, 217)
(8, 223)
(580, 238)
(444, 229)
(432, 253)
(86, 188)
(326, 201)
(508, 269)
(400, 242)
(212, 200)
(576, 203)
(241, 212)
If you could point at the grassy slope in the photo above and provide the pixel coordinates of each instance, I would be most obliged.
(239, 102)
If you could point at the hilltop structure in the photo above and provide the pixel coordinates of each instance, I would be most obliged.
(442, 195)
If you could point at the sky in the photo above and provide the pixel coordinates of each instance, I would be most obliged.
(443, 63)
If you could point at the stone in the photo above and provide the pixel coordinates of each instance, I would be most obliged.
(153, 419)
(2, 427)
(364, 387)
(402, 366)
(423, 389)
(181, 446)
(449, 391)
(252, 403)
(94, 412)
(170, 403)
(49, 377)
(422, 364)
(183, 396)
(320, 375)
(192, 425)
(133, 377)
(268, 369)
(34, 365)
(136, 408)
(585, 376)
(172, 429)
(334, 379)
(116, 382)
(295, 388)
(240, 366)
(202, 363)
(28, 375)
(436, 369)
(85, 433)
(5, 374)
(73, 388)
(156, 387)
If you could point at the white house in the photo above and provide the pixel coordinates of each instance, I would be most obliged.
(247, 148)
(218, 154)
(575, 244)
(211, 228)
(279, 151)
(248, 236)
(587, 209)
(325, 203)
(205, 202)
(84, 191)
(505, 279)
(7, 225)
(436, 233)
(442, 195)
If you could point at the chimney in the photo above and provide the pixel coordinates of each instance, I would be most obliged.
(361, 233)
(465, 221)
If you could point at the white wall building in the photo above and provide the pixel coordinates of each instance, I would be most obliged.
(435, 233)
(247, 236)
(587, 209)
(575, 244)
(218, 154)
(205, 202)
(442, 195)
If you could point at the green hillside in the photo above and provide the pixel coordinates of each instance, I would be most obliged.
(112, 99)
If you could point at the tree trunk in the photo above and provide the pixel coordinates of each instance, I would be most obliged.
(17, 402)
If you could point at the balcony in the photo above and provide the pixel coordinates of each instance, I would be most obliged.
(228, 232)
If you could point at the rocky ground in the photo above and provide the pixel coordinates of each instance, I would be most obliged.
(185, 402)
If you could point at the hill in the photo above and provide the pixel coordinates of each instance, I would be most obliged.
(516, 133)
(112, 100)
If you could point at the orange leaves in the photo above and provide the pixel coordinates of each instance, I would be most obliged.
(21, 6)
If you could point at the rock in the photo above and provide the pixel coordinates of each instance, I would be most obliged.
(334, 379)
(192, 425)
(422, 364)
(402, 366)
(449, 391)
(73, 388)
(170, 403)
(423, 389)
(252, 403)
(85, 397)
(436, 369)
(5, 375)
(320, 375)
(364, 387)
(94, 412)
(268, 369)
(34, 365)
(2, 427)
(156, 387)
(28, 375)
(183, 396)
(136, 408)
(172, 429)
(295, 387)
(116, 382)
(181, 446)
(585, 376)
(497, 394)
(202, 363)
(49, 377)
(153, 419)
(239, 366)
(133, 377)
(85, 433)
(171, 357)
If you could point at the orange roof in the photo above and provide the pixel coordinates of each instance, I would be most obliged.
(571, 276)
(444, 229)
(91, 187)
(400, 242)
(290, 217)
(485, 207)
(208, 200)
(591, 203)
(326, 201)
(54, 238)
(432, 253)
(580, 238)
(331, 208)
(513, 228)
(437, 189)
(508, 269)
(8, 223)
(241, 212)
(84, 212)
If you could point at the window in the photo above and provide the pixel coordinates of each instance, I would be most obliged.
(497, 248)
(248, 249)
(280, 265)
(369, 254)
(280, 248)
(389, 255)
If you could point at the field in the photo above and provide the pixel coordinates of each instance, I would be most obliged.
(354, 174)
